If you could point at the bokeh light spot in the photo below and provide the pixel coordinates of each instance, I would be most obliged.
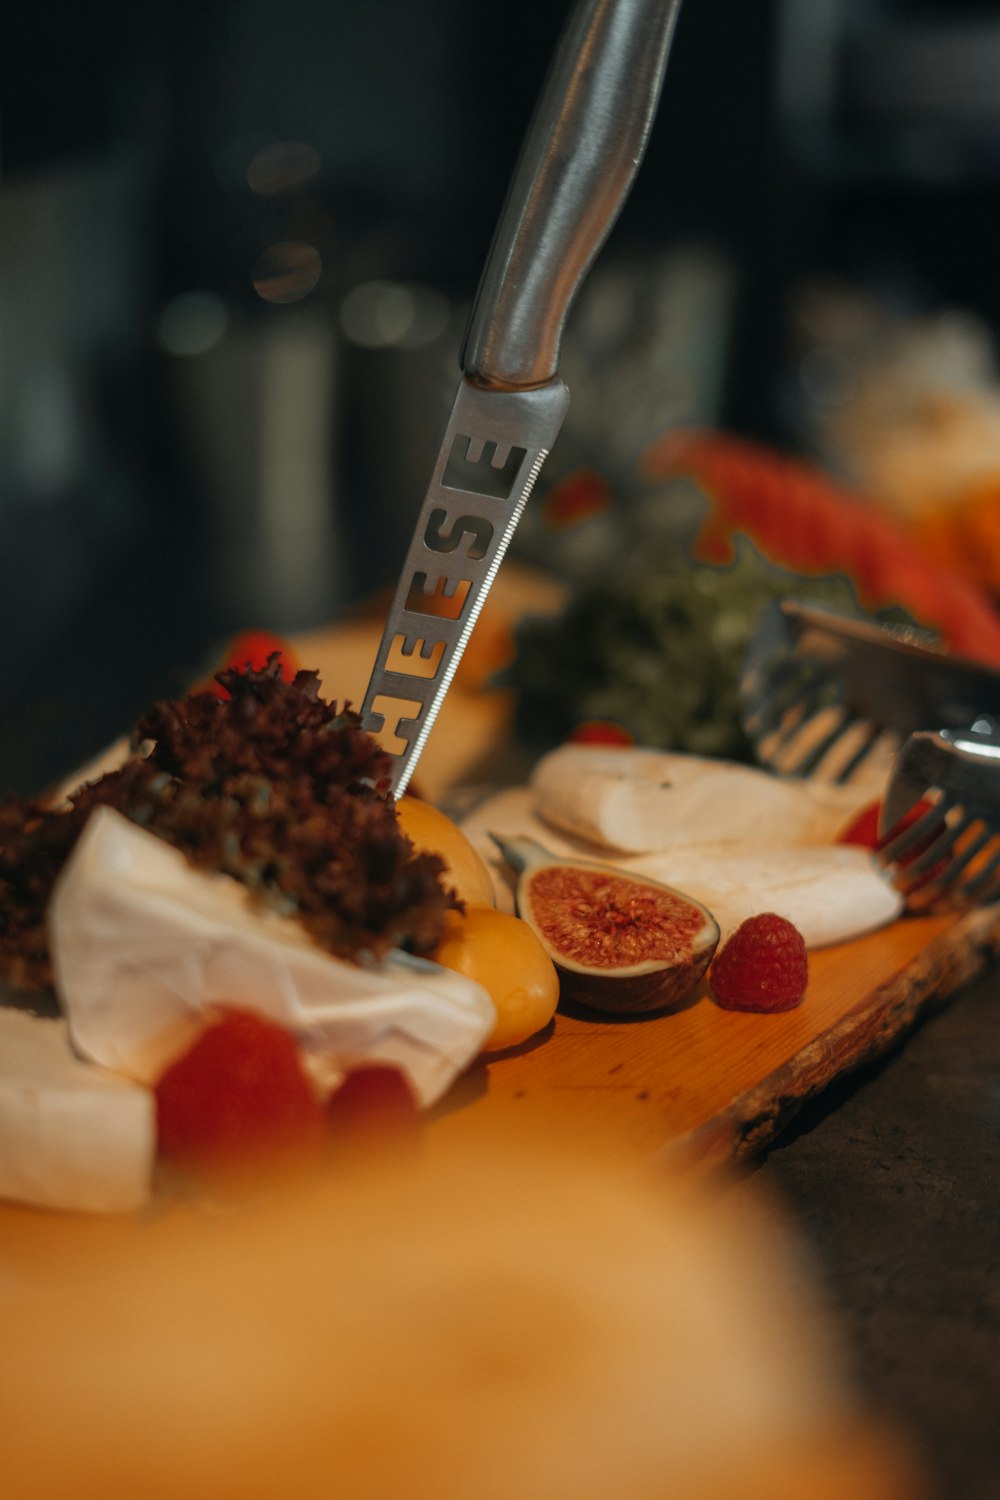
(287, 271)
(389, 314)
(283, 167)
(192, 323)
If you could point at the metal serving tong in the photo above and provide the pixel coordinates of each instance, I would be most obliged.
(949, 852)
(579, 160)
(826, 695)
(822, 692)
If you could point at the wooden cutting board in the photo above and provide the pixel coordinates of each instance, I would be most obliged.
(712, 1085)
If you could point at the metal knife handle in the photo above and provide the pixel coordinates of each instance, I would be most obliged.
(582, 152)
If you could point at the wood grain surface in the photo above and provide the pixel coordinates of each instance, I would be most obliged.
(713, 1085)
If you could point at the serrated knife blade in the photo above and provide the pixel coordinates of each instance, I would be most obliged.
(583, 149)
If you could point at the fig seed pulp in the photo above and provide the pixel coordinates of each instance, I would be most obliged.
(620, 942)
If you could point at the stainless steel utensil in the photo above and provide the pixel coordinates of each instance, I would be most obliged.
(581, 155)
(948, 854)
(823, 693)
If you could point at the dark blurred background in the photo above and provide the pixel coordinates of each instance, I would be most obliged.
(238, 242)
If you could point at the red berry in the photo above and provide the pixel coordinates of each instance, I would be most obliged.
(237, 1096)
(254, 648)
(763, 966)
(373, 1103)
(601, 732)
(863, 829)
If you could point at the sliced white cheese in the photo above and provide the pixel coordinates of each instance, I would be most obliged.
(831, 892)
(72, 1136)
(142, 943)
(635, 800)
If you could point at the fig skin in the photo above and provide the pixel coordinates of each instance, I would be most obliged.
(626, 989)
(629, 992)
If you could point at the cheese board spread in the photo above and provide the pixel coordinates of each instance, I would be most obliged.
(147, 951)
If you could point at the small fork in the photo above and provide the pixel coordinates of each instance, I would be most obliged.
(829, 696)
(947, 852)
(825, 695)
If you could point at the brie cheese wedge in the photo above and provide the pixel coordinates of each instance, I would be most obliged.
(72, 1136)
(142, 944)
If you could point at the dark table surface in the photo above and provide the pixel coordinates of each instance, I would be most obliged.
(893, 1177)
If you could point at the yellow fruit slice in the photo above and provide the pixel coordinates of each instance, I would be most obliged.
(432, 832)
(502, 954)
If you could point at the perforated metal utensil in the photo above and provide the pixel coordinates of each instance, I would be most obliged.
(940, 819)
(581, 155)
(824, 694)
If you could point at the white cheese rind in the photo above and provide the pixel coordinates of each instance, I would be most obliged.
(72, 1136)
(832, 893)
(142, 944)
(636, 800)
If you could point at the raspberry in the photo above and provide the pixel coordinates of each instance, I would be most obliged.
(238, 1096)
(374, 1104)
(863, 829)
(763, 966)
(255, 649)
(601, 732)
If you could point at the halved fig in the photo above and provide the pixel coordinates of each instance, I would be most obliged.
(620, 942)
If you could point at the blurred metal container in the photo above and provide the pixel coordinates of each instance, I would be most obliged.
(258, 410)
(399, 351)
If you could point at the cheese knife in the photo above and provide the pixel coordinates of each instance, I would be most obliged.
(582, 151)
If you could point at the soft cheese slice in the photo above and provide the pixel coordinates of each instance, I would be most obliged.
(831, 892)
(72, 1136)
(635, 800)
(142, 943)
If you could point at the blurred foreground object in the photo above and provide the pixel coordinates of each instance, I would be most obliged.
(491, 1324)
